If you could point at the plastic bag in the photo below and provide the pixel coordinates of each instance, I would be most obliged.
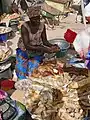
(87, 10)
(82, 42)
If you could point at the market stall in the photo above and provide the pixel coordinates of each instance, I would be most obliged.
(59, 88)
(55, 91)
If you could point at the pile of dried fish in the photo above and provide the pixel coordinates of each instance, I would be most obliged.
(55, 104)
(50, 104)
(48, 68)
(56, 81)
(57, 97)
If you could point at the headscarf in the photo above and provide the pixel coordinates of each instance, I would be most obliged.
(34, 11)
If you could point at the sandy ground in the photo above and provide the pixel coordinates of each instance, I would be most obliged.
(59, 31)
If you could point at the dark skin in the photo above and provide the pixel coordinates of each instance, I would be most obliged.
(34, 26)
(88, 19)
(14, 8)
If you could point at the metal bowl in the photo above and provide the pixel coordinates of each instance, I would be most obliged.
(64, 46)
(5, 30)
(7, 58)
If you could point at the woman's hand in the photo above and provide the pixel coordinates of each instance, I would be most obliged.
(54, 49)
(55, 45)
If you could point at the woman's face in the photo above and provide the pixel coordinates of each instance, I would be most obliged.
(35, 20)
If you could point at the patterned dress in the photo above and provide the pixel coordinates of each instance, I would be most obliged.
(27, 61)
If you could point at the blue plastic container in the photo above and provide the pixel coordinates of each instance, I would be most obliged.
(3, 37)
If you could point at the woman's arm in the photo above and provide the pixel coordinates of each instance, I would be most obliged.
(44, 38)
(25, 37)
(54, 47)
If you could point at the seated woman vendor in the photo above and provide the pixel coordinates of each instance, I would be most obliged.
(33, 44)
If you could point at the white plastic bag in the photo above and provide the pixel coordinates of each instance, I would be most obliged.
(82, 42)
(87, 10)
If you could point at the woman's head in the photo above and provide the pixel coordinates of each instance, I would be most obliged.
(34, 14)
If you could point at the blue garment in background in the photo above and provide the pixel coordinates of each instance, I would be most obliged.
(88, 60)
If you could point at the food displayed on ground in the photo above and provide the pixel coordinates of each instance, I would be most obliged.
(48, 68)
(4, 30)
(64, 96)
(6, 17)
(4, 53)
(45, 102)
(4, 67)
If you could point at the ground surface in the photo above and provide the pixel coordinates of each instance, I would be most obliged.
(59, 31)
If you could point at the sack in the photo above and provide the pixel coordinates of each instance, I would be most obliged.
(8, 110)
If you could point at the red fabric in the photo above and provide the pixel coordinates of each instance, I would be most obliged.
(7, 84)
(70, 36)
